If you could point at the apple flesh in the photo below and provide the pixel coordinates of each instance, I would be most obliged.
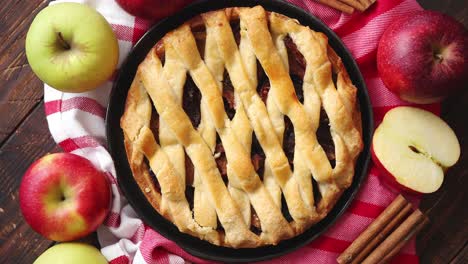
(71, 253)
(71, 47)
(152, 9)
(64, 197)
(413, 148)
(423, 57)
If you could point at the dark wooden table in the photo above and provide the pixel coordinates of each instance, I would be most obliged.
(24, 137)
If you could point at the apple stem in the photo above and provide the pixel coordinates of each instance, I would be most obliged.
(62, 197)
(437, 53)
(62, 41)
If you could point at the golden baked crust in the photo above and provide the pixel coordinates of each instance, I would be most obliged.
(233, 201)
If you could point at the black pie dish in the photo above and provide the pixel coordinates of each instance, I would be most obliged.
(137, 199)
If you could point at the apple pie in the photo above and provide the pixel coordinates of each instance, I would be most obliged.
(242, 128)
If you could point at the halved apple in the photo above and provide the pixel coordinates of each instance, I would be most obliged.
(413, 148)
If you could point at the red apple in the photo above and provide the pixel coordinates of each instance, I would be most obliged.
(412, 148)
(423, 57)
(64, 197)
(152, 9)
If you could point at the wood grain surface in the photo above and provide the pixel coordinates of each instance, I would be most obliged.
(24, 137)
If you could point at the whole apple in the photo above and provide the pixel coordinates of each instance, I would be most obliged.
(64, 197)
(152, 9)
(71, 47)
(423, 57)
(71, 253)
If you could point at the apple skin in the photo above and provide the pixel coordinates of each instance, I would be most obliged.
(64, 197)
(152, 9)
(71, 47)
(71, 253)
(423, 57)
(387, 177)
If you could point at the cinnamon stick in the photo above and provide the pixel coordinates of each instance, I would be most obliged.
(399, 236)
(372, 230)
(355, 4)
(403, 242)
(383, 233)
(338, 5)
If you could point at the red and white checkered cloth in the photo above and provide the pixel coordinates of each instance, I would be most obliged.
(76, 122)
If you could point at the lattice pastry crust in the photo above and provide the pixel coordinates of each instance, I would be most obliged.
(248, 207)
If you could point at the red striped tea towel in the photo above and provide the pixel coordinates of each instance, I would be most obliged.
(76, 122)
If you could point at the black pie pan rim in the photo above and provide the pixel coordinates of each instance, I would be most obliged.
(135, 197)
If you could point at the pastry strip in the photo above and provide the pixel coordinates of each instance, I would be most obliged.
(203, 212)
(176, 76)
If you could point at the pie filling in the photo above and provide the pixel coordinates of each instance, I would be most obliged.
(191, 105)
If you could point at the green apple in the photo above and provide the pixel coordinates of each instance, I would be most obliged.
(71, 253)
(71, 47)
